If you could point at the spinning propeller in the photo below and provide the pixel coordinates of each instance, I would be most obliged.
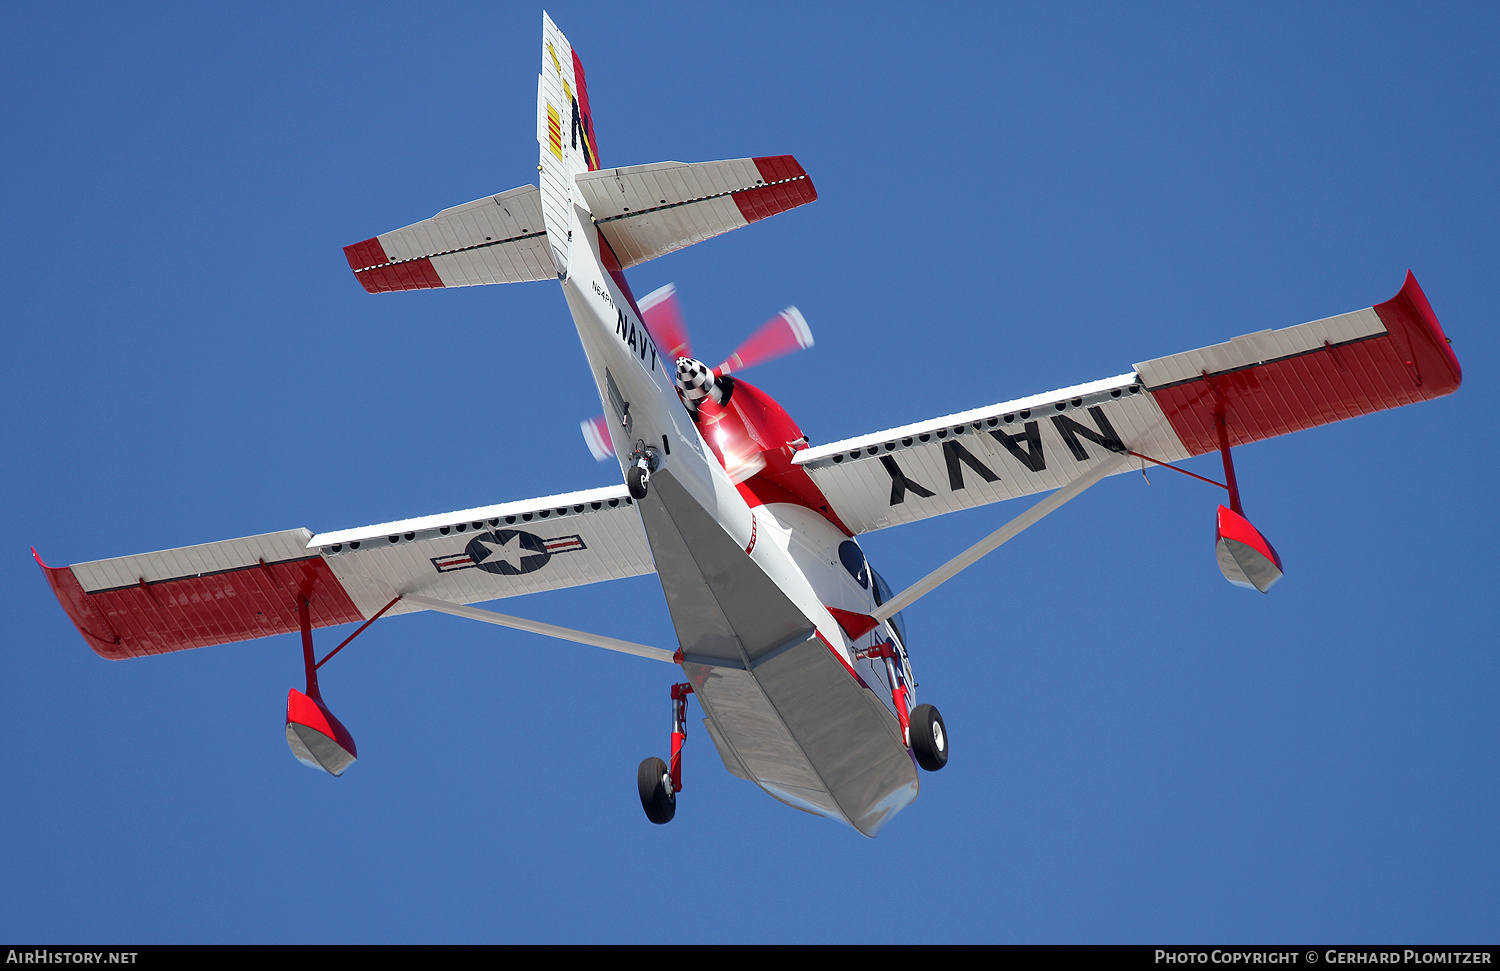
(662, 315)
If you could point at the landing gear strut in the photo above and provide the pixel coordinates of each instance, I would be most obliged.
(658, 782)
(923, 728)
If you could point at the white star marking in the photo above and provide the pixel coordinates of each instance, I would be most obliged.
(512, 552)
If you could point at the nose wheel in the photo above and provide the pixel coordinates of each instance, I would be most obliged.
(658, 782)
(638, 476)
(635, 480)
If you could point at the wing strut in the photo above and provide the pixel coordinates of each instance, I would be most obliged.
(994, 540)
(537, 627)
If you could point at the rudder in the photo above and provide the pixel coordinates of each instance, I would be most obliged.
(565, 134)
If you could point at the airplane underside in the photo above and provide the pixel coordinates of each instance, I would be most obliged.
(783, 710)
(792, 643)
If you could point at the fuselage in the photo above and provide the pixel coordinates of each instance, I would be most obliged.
(751, 559)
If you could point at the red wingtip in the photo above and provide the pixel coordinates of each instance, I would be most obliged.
(75, 603)
(1409, 312)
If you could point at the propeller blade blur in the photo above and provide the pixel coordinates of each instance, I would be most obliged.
(777, 337)
(596, 433)
(662, 315)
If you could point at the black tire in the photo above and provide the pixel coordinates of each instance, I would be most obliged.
(635, 481)
(929, 738)
(657, 797)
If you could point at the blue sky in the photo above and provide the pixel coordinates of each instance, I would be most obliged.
(1013, 198)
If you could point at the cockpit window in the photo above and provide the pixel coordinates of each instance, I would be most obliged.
(853, 559)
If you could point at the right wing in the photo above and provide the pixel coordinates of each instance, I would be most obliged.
(239, 589)
(1265, 384)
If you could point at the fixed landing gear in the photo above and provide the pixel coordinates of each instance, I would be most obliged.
(638, 476)
(658, 782)
(658, 797)
(929, 739)
(924, 730)
(635, 480)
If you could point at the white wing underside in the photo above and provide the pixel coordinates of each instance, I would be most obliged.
(962, 460)
(1269, 382)
(587, 537)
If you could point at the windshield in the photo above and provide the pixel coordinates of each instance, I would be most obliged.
(853, 559)
(883, 593)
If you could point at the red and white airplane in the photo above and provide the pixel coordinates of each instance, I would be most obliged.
(792, 644)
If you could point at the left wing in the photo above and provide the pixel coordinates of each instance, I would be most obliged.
(239, 589)
(1264, 384)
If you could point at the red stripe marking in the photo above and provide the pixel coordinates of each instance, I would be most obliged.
(174, 615)
(839, 655)
(855, 624)
(1322, 386)
(410, 275)
(775, 168)
(617, 272)
(757, 204)
(770, 485)
(367, 253)
(583, 108)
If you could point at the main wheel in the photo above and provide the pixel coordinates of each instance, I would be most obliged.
(657, 797)
(635, 481)
(929, 739)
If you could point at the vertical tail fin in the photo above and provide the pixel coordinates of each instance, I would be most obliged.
(565, 132)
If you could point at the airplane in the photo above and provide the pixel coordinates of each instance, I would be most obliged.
(790, 641)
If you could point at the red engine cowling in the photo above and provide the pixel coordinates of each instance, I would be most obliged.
(755, 439)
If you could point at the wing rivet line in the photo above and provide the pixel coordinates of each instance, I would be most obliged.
(942, 434)
(434, 532)
(759, 184)
(461, 249)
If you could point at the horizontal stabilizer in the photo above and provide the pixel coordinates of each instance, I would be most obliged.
(646, 211)
(497, 239)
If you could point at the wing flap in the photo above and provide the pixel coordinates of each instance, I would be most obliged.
(646, 211)
(497, 239)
